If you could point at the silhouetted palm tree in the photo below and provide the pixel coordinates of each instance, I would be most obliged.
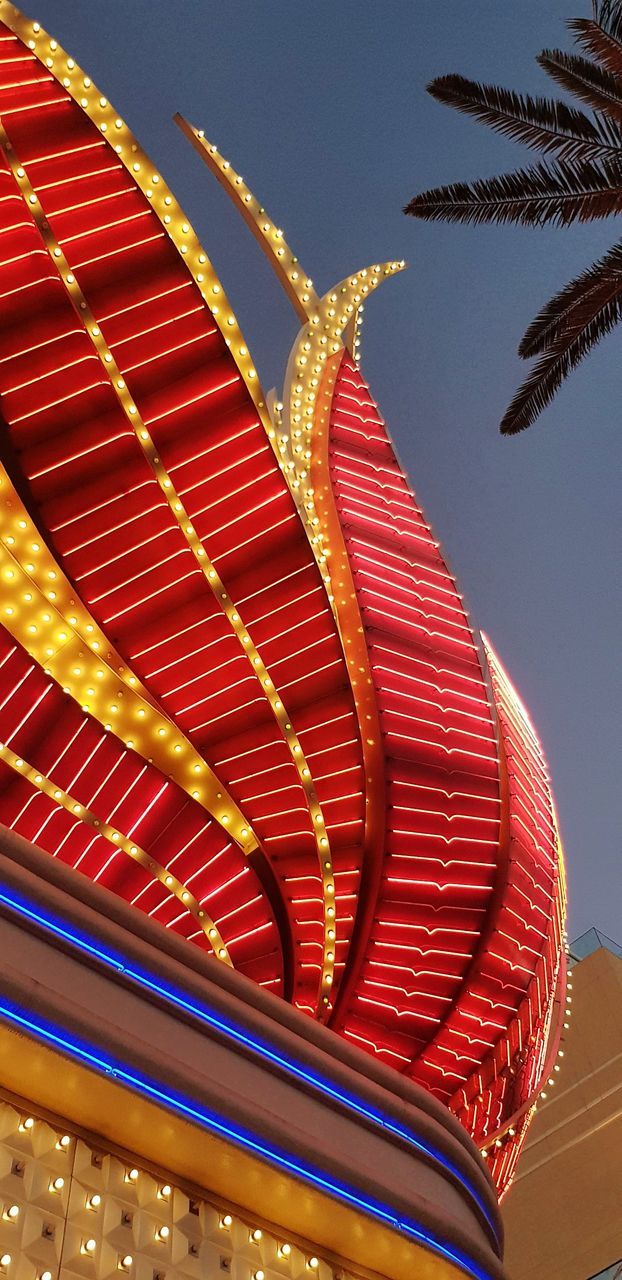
(581, 179)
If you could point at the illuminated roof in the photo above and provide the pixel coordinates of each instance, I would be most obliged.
(238, 683)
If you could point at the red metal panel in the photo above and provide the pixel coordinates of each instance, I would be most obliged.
(463, 959)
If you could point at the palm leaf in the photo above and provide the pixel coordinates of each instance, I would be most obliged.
(599, 44)
(589, 82)
(539, 122)
(583, 327)
(578, 299)
(558, 194)
(608, 14)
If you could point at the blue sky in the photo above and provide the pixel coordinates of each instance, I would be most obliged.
(323, 109)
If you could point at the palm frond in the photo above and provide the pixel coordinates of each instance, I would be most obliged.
(602, 46)
(541, 123)
(608, 14)
(576, 303)
(584, 328)
(589, 82)
(546, 193)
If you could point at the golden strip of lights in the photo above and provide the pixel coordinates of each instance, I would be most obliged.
(121, 841)
(186, 244)
(59, 633)
(324, 322)
(80, 87)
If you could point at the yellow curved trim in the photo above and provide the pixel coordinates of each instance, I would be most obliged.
(41, 613)
(316, 342)
(121, 841)
(96, 106)
(325, 322)
(300, 424)
(294, 279)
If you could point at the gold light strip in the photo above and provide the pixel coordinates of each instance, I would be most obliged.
(356, 656)
(301, 293)
(325, 321)
(321, 338)
(297, 285)
(329, 323)
(96, 106)
(43, 615)
(121, 841)
(193, 541)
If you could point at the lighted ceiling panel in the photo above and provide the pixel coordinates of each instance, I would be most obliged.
(238, 684)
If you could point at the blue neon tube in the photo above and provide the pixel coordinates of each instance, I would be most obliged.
(82, 1051)
(115, 960)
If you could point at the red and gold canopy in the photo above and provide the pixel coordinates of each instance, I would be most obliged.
(238, 685)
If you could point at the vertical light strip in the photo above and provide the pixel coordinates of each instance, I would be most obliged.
(120, 841)
(210, 574)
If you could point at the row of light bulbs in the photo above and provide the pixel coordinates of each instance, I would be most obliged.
(120, 840)
(552, 1079)
(98, 108)
(320, 338)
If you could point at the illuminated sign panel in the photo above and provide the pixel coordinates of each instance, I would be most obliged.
(238, 685)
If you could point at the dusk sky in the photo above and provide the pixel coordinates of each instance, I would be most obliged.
(323, 109)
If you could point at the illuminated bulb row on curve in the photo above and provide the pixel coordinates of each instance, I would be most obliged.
(96, 106)
(180, 515)
(566, 1026)
(305, 507)
(298, 285)
(345, 604)
(292, 450)
(305, 299)
(57, 631)
(510, 1132)
(120, 841)
(320, 340)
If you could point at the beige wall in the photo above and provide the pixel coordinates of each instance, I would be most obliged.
(563, 1216)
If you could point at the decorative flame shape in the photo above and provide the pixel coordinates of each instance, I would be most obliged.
(238, 684)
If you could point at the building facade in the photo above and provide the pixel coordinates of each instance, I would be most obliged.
(246, 729)
(563, 1215)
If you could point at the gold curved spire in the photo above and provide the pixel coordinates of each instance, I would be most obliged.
(294, 279)
(297, 285)
(328, 324)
